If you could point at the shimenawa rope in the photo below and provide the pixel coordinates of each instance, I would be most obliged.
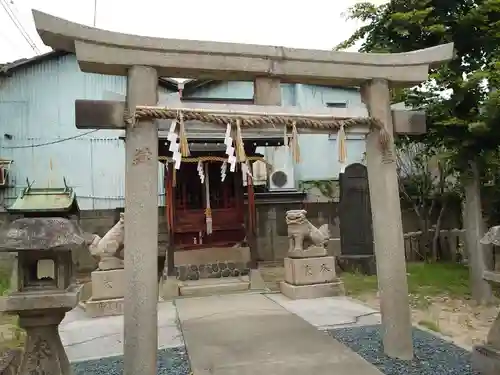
(261, 121)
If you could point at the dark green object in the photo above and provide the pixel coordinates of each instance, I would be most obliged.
(42, 202)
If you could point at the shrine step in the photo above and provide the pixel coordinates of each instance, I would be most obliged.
(209, 287)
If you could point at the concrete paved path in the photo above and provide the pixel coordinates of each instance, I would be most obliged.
(249, 333)
(329, 312)
(91, 338)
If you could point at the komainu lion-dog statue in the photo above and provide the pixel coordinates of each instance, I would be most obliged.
(109, 248)
(304, 238)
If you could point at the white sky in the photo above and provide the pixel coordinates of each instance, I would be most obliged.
(314, 24)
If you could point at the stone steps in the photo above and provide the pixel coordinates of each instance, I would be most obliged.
(209, 287)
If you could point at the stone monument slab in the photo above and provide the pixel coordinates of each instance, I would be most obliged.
(306, 271)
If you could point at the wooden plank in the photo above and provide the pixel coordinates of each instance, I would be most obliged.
(492, 276)
(99, 114)
(108, 114)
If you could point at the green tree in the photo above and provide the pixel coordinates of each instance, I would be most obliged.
(461, 103)
(428, 185)
(460, 98)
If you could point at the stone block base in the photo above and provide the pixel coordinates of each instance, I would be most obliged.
(332, 289)
(169, 288)
(108, 284)
(486, 360)
(107, 307)
(364, 264)
(307, 271)
(211, 263)
(211, 287)
(256, 280)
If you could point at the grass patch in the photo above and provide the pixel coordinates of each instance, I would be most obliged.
(15, 337)
(424, 280)
(357, 284)
(11, 335)
(439, 278)
(429, 325)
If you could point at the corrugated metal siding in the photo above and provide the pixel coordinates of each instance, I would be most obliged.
(37, 111)
(316, 147)
(225, 90)
(240, 90)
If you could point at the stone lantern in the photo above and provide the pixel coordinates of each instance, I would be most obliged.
(486, 358)
(45, 290)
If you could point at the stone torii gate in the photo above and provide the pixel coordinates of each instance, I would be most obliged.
(144, 59)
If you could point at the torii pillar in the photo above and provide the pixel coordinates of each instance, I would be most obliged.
(387, 227)
(141, 228)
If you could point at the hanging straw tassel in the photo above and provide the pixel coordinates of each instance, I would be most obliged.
(295, 144)
(341, 144)
(240, 147)
(208, 209)
(341, 147)
(285, 137)
(183, 138)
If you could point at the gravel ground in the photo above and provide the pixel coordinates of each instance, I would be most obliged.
(433, 356)
(173, 361)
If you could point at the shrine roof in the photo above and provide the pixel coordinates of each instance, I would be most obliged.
(45, 200)
(36, 233)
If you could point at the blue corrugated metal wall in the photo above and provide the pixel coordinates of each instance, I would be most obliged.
(37, 113)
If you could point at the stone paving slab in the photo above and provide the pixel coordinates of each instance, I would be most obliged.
(328, 312)
(248, 333)
(86, 338)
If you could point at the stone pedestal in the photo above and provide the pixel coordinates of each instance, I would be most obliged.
(486, 360)
(44, 351)
(311, 278)
(40, 313)
(108, 290)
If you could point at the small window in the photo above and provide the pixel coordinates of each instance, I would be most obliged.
(336, 105)
(39, 274)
